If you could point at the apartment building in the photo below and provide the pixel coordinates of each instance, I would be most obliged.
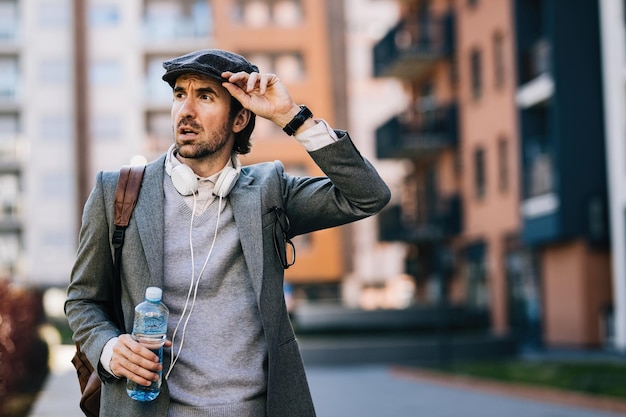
(564, 194)
(506, 208)
(420, 52)
(128, 106)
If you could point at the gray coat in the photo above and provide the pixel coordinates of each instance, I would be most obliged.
(352, 190)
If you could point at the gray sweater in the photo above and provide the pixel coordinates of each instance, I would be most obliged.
(221, 370)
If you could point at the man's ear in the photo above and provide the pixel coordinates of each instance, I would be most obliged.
(241, 120)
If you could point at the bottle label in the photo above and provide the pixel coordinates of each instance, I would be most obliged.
(150, 323)
(151, 341)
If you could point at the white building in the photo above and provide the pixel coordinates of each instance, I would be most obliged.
(614, 73)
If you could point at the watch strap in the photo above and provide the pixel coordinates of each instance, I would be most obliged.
(298, 120)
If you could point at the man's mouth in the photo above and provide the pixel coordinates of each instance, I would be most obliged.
(188, 131)
(188, 128)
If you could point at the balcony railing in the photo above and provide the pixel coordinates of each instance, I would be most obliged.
(418, 134)
(412, 47)
(443, 222)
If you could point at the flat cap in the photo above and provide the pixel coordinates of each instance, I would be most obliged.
(210, 62)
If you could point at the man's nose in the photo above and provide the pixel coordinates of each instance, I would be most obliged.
(188, 108)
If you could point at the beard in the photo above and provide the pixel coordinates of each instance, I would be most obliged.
(207, 143)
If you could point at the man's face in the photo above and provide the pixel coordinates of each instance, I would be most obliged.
(200, 117)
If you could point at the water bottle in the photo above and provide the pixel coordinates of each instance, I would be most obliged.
(149, 329)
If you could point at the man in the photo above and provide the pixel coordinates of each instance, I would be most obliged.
(215, 237)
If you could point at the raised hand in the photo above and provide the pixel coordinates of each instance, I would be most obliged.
(263, 94)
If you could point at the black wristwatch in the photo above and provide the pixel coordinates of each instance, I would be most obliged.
(297, 120)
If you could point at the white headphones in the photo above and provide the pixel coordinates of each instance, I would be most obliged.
(186, 181)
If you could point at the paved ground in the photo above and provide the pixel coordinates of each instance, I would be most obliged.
(352, 391)
(61, 392)
(377, 391)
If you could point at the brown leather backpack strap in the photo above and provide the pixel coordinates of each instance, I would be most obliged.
(127, 192)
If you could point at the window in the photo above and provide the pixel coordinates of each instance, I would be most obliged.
(524, 295)
(475, 272)
(9, 77)
(498, 60)
(8, 125)
(503, 164)
(258, 13)
(288, 66)
(54, 14)
(287, 12)
(476, 74)
(9, 194)
(624, 16)
(9, 131)
(55, 128)
(57, 185)
(156, 88)
(538, 166)
(480, 178)
(104, 14)
(58, 241)
(9, 23)
(107, 127)
(159, 127)
(55, 71)
(9, 251)
(105, 73)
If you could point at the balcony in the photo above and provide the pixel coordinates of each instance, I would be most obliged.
(418, 134)
(411, 49)
(443, 221)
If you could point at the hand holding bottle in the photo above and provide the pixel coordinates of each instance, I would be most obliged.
(144, 348)
(134, 361)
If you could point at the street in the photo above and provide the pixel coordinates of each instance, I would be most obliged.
(346, 391)
(374, 391)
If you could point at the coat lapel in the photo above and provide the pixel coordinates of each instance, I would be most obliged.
(150, 219)
(246, 204)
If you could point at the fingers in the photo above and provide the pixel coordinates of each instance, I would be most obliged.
(262, 94)
(132, 360)
(250, 82)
